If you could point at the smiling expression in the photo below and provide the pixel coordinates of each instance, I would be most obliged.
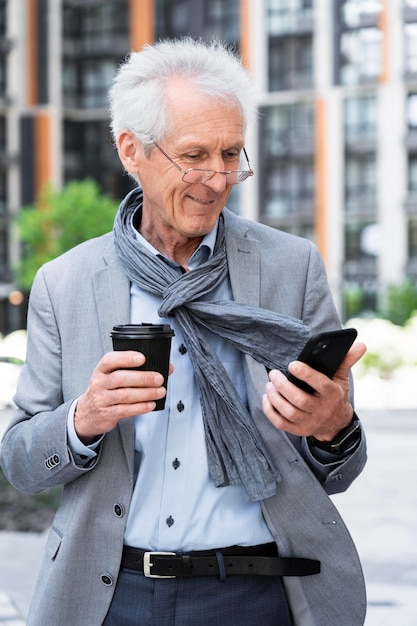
(203, 134)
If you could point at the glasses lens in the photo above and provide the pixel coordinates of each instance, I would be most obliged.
(196, 176)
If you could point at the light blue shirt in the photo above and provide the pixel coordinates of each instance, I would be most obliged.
(175, 505)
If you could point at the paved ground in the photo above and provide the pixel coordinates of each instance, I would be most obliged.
(380, 510)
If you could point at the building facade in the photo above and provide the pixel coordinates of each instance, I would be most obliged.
(334, 149)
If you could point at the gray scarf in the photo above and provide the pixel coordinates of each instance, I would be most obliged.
(236, 452)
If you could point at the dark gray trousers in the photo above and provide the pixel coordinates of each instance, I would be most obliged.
(233, 601)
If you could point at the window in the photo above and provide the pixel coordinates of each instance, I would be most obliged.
(361, 51)
(412, 238)
(96, 27)
(96, 78)
(3, 18)
(360, 185)
(3, 192)
(412, 111)
(290, 63)
(287, 128)
(359, 240)
(410, 46)
(89, 151)
(290, 189)
(222, 19)
(287, 164)
(203, 18)
(360, 118)
(3, 135)
(3, 76)
(96, 38)
(412, 174)
(288, 16)
(355, 12)
(86, 82)
(3, 253)
(358, 42)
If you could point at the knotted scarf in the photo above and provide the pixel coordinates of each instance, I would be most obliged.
(235, 450)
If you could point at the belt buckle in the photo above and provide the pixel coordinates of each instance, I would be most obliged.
(147, 564)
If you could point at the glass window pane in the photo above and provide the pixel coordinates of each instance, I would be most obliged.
(3, 192)
(412, 174)
(412, 110)
(410, 45)
(361, 51)
(354, 10)
(360, 184)
(360, 117)
(412, 238)
(286, 16)
(199, 18)
(290, 63)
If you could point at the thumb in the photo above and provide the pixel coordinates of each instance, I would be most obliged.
(355, 353)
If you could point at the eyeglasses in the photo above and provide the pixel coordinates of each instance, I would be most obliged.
(195, 175)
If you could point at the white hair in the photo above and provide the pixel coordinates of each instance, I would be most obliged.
(137, 98)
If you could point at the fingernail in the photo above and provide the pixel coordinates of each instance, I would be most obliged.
(158, 380)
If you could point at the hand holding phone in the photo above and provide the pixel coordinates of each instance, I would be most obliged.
(325, 352)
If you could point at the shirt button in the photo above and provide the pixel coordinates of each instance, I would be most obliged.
(180, 406)
(170, 521)
(176, 463)
(182, 349)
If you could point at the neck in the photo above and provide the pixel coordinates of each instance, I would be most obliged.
(179, 251)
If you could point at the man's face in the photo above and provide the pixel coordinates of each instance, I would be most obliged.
(203, 134)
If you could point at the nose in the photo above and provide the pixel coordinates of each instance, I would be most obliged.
(217, 182)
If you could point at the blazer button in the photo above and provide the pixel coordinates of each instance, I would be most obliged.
(52, 461)
(106, 579)
(118, 510)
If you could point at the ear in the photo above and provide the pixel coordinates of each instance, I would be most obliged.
(130, 151)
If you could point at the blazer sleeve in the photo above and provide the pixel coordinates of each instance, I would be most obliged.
(35, 453)
(319, 313)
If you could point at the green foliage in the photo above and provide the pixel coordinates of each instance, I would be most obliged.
(59, 221)
(400, 302)
(353, 300)
(397, 303)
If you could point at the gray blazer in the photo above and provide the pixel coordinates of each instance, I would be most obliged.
(75, 301)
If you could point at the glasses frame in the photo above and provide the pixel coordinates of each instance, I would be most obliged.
(211, 173)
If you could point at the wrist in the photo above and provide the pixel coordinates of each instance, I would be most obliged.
(346, 440)
(85, 438)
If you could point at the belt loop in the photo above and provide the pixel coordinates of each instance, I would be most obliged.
(220, 563)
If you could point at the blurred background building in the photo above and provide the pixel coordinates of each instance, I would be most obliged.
(334, 150)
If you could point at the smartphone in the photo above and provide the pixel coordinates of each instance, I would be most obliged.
(324, 352)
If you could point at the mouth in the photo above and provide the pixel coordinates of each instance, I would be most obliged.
(202, 201)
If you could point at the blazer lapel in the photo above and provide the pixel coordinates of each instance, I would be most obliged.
(244, 270)
(244, 265)
(112, 295)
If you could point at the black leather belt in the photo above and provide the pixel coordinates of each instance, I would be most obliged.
(237, 561)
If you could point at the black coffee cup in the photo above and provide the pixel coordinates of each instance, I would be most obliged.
(153, 340)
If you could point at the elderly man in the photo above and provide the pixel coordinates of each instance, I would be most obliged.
(214, 510)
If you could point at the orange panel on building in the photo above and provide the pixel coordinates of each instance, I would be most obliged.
(142, 23)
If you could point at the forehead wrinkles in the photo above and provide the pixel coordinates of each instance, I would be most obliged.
(189, 109)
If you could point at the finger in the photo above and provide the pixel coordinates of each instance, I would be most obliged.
(134, 379)
(124, 359)
(355, 353)
(287, 418)
(291, 403)
(129, 396)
